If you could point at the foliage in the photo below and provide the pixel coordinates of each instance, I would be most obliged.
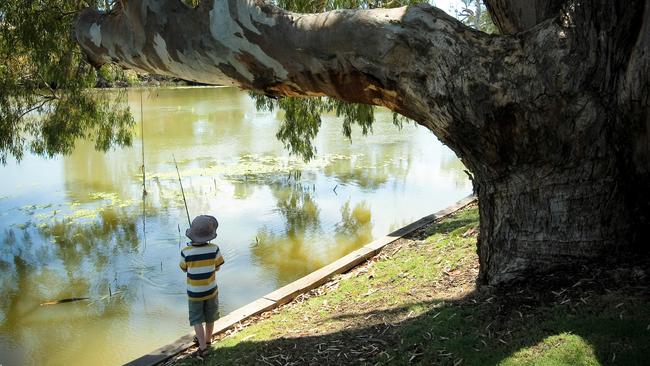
(302, 116)
(45, 101)
(474, 14)
(112, 75)
(302, 119)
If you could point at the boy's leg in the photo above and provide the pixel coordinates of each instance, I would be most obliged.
(209, 326)
(198, 328)
(196, 320)
(212, 314)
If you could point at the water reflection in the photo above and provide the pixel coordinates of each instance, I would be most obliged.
(78, 253)
(354, 230)
(301, 247)
(290, 251)
(112, 234)
(28, 280)
(454, 168)
(86, 232)
(296, 204)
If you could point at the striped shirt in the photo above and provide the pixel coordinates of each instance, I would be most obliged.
(201, 262)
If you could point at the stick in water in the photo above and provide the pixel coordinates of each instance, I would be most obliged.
(182, 192)
(62, 301)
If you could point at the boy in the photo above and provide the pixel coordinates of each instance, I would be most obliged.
(201, 260)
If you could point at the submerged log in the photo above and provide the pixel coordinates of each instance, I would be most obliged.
(62, 301)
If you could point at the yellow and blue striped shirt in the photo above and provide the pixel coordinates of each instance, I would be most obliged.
(201, 261)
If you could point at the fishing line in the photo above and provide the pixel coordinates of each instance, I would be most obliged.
(182, 191)
(144, 190)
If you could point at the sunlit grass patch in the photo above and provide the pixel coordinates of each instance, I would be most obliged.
(561, 349)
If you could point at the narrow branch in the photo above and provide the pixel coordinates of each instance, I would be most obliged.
(37, 106)
(47, 85)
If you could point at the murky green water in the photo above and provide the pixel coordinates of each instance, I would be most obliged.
(77, 226)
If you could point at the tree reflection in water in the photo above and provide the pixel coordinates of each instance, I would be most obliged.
(289, 252)
(301, 246)
(354, 230)
(59, 259)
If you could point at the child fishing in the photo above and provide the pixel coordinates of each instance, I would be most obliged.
(201, 260)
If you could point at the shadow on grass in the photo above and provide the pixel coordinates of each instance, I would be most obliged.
(586, 316)
(586, 324)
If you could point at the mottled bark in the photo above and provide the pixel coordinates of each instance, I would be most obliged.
(552, 121)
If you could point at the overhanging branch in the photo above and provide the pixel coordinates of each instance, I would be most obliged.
(415, 60)
(354, 55)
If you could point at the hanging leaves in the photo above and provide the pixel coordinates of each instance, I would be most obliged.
(46, 103)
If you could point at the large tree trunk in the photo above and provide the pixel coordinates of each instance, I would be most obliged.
(552, 118)
(572, 183)
(535, 220)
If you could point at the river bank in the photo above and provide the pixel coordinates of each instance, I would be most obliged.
(112, 76)
(87, 232)
(417, 303)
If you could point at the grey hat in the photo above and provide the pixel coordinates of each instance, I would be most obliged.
(203, 229)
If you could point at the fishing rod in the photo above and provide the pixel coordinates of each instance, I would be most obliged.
(182, 191)
(144, 187)
(144, 178)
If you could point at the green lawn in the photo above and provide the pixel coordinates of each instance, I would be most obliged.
(416, 303)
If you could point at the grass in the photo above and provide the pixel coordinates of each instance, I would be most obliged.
(416, 303)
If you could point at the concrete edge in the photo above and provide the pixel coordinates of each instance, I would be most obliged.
(290, 291)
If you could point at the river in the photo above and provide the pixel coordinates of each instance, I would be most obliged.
(77, 225)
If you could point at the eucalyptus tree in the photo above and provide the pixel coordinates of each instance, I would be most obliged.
(551, 116)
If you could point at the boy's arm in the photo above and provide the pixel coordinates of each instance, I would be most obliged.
(218, 261)
(182, 264)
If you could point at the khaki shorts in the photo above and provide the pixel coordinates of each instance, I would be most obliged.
(205, 311)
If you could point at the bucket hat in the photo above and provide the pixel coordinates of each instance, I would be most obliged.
(203, 229)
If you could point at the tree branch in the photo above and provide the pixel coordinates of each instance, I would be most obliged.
(351, 55)
(416, 60)
(36, 106)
